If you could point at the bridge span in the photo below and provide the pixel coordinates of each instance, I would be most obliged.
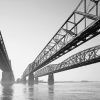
(5, 64)
(81, 26)
(85, 57)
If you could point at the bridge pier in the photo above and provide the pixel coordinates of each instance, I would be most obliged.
(7, 78)
(51, 79)
(31, 79)
(36, 80)
(23, 80)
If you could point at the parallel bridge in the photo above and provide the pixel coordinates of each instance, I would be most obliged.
(85, 57)
(5, 64)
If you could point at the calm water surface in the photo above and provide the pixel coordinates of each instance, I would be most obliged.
(59, 91)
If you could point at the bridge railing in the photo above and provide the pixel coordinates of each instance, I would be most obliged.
(85, 57)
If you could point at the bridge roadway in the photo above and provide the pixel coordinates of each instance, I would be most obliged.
(5, 64)
(80, 27)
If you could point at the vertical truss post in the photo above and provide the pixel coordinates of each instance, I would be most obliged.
(97, 8)
(66, 25)
(75, 29)
(96, 2)
(85, 11)
(66, 31)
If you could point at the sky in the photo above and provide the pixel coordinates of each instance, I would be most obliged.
(28, 25)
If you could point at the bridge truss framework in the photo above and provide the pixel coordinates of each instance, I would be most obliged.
(82, 25)
(85, 57)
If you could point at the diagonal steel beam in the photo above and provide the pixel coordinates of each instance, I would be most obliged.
(70, 32)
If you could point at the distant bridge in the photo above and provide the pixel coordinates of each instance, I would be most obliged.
(85, 57)
(82, 25)
(5, 64)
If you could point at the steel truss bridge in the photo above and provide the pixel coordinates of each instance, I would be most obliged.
(5, 64)
(82, 25)
(85, 57)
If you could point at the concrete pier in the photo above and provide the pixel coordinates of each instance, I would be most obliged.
(36, 80)
(51, 79)
(31, 79)
(7, 78)
(23, 80)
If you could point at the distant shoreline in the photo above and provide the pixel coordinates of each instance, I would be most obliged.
(83, 81)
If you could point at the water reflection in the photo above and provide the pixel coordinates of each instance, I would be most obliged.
(30, 93)
(7, 93)
(58, 91)
(51, 92)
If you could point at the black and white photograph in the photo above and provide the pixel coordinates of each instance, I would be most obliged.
(49, 49)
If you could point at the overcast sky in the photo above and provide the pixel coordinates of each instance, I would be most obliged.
(28, 25)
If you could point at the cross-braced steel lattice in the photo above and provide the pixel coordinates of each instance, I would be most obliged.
(85, 57)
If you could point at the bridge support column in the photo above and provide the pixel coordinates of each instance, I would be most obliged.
(24, 80)
(7, 78)
(36, 80)
(51, 79)
(31, 79)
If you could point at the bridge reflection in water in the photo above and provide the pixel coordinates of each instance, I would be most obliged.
(59, 91)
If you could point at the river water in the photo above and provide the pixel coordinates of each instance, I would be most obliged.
(58, 91)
